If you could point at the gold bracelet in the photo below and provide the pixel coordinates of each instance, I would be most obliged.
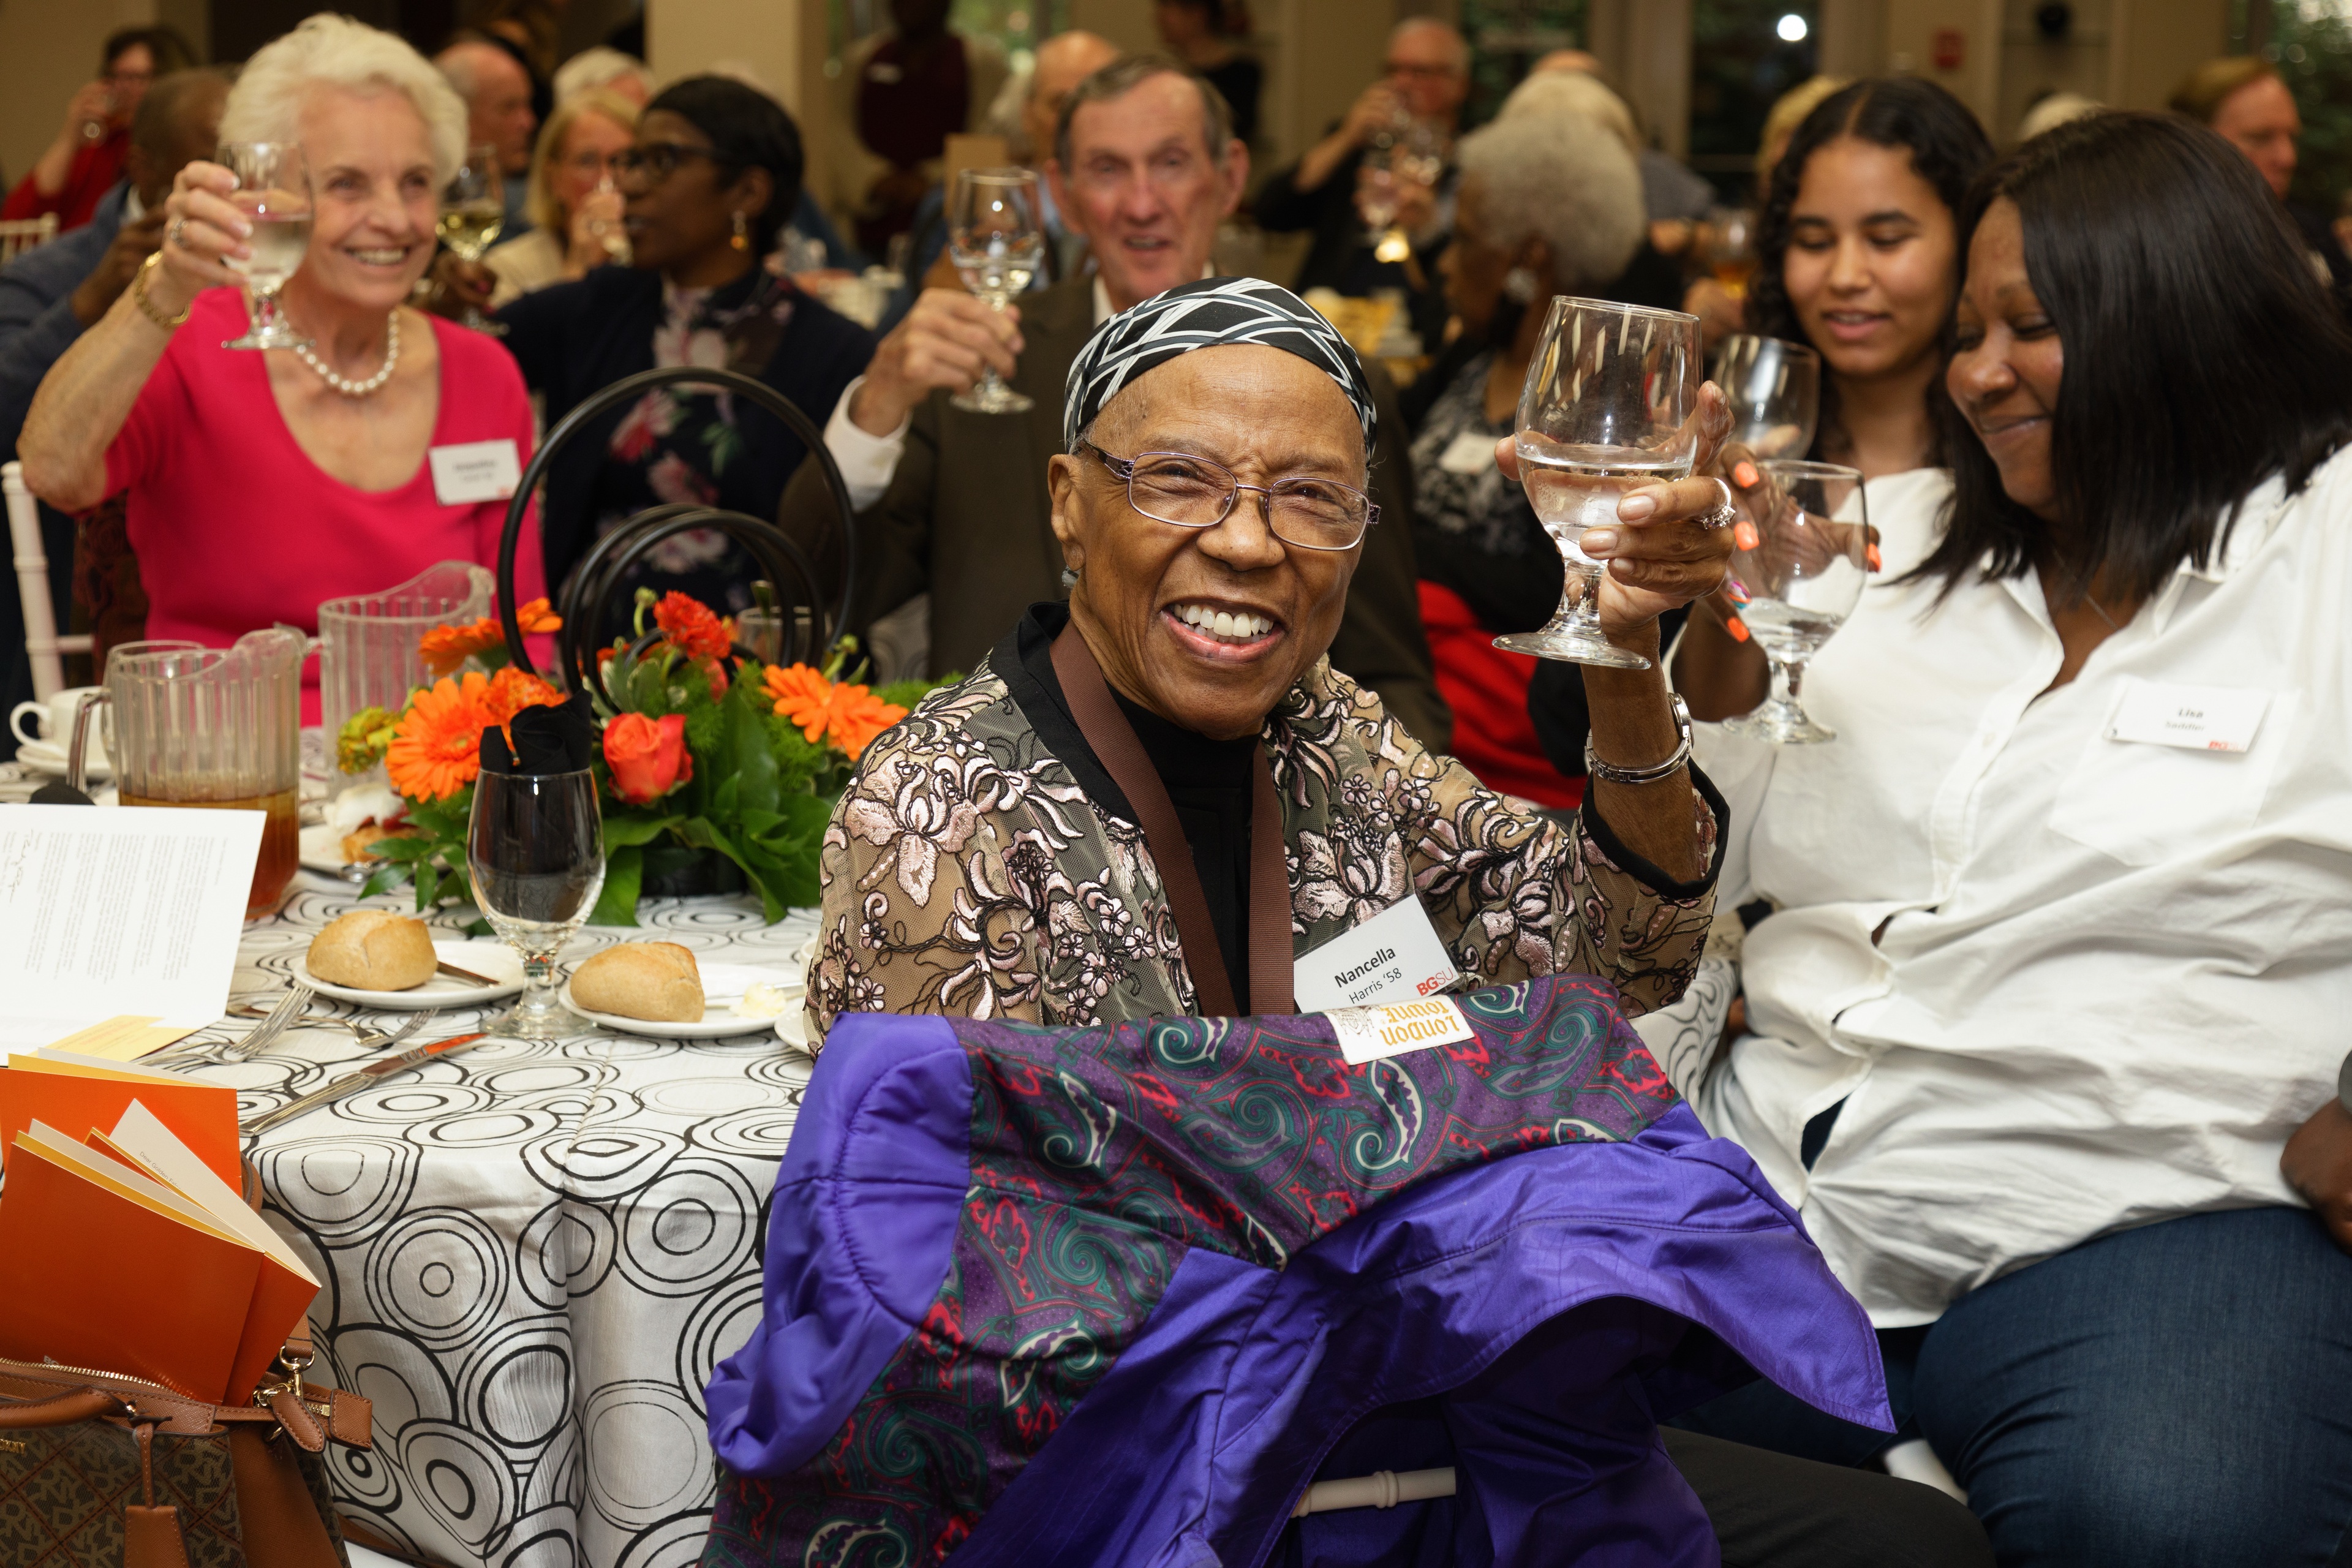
(147, 306)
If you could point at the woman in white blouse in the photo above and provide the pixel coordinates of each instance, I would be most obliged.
(2049, 960)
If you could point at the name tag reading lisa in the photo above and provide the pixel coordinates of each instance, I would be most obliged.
(475, 471)
(1368, 1033)
(1394, 956)
(2197, 717)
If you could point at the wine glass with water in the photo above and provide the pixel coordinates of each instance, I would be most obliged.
(1609, 405)
(997, 240)
(273, 193)
(473, 211)
(535, 850)
(1774, 388)
(1801, 557)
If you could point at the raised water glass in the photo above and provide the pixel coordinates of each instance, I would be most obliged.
(473, 211)
(273, 193)
(1800, 558)
(996, 239)
(1774, 388)
(1609, 405)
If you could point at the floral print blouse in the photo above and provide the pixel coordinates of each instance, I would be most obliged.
(967, 871)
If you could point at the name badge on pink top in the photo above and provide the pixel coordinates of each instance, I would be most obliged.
(472, 472)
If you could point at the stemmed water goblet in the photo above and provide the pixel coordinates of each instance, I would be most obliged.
(535, 851)
(473, 211)
(1801, 550)
(996, 239)
(1774, 388)
(1609, 405)
(273, 193)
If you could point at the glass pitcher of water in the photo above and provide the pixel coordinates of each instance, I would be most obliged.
(187, 725)
(368, 644)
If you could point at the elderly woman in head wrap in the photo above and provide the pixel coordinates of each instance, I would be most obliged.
(1150, 799)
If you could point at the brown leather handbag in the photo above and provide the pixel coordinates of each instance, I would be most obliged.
(102, 1471)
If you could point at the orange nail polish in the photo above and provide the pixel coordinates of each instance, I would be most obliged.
(1745, 475)
(1744, 535)
(1872, 555)
(1737, 627)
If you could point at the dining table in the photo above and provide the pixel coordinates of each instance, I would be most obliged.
(531, 1255)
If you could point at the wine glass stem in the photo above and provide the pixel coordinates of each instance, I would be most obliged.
(1787, 680)
(1579, 596)
(264, 313)
(990, 382)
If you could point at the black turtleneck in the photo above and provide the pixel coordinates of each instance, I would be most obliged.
(1208, 781)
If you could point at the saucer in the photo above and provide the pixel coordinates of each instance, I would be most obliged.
(48, 757)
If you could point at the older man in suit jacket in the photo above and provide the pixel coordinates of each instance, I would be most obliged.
(954, 503)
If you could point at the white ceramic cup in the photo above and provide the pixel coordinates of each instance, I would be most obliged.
(53, 721)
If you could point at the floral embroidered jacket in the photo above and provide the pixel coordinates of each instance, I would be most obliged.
(967, 871)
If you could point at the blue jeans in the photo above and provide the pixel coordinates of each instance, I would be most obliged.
(2181, 1394)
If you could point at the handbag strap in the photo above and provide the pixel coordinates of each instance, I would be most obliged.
(1121, 754)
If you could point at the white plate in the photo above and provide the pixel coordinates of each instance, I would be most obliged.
(48, 757)
(322, 848)
(723, 986)
(495, 959)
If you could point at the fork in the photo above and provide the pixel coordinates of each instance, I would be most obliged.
(368, 1037)
(285, 1015)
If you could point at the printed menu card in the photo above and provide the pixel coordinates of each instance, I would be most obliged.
(122, 910)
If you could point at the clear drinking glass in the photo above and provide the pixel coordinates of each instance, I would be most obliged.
(1609, 405)
(1800, 559)
(535, 850)
(273, 191)
(997, 241)
(473, 210)
(1774, 388)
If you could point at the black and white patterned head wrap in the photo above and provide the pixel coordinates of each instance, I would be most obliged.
(1208, 313)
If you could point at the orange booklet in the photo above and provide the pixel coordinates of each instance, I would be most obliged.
(103, 1269)
(188, 1288)
(81, 1092)
(285, 1287)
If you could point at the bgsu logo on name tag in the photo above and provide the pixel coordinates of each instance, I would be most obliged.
(473, 471)
(1368, 1033)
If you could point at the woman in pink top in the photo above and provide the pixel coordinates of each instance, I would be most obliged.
(260, 484)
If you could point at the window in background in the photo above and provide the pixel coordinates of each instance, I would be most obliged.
(1507, 36)
(1744, 55)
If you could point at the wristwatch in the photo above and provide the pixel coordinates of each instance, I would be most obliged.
(1598, 769)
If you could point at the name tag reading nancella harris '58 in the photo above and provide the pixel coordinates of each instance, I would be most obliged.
(1395, 956)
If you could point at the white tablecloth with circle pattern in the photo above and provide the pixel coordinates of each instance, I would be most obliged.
(534, 1255)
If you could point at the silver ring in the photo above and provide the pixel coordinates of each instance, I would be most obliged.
(1723, 515)
(176, 233)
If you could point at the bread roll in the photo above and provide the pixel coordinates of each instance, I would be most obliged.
(656, 980)
(360, 843)
(374, 949)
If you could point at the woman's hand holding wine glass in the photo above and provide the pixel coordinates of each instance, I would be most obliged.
(201, 233)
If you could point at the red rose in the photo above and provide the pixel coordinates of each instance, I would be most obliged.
(647, 756)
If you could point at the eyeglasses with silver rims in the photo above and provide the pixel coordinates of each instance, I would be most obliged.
(1192, 492)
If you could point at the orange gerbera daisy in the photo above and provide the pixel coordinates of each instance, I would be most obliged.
(444, 649)
(690, 627)
(803, 695)
(849, 716)
(859, 716)
(436, 749)
(535, 617)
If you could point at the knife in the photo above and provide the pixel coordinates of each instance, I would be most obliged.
(357, 1080)
(467, 975)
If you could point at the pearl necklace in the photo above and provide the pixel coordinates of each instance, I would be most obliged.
(373, 384)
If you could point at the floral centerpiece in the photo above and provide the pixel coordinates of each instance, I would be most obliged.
(706, 756)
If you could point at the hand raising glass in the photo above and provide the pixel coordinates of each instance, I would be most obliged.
(997, 241)
(1799, 561)
(273, 195)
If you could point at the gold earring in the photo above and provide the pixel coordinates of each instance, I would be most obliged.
(742, 241)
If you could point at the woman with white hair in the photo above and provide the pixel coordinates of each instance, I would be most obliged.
(260, 483)
(1550, 204)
